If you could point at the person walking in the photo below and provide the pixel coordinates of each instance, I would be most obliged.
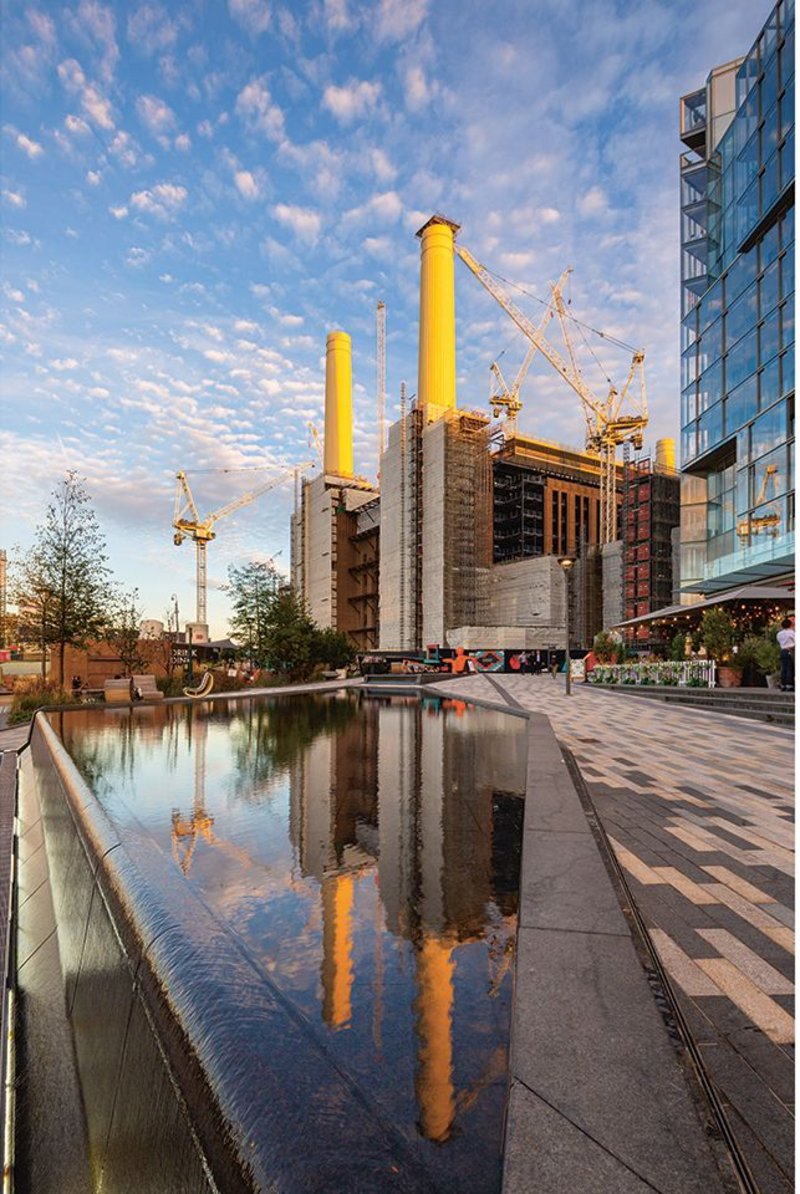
(786, 644)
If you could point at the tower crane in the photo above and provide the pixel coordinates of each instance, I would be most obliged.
(606, 424)
(201, 530)
(500, 394)
(380, 378)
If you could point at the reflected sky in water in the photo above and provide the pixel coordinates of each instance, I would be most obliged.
(365, 851)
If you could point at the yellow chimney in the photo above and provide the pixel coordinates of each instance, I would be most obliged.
(337, 950)
(338, 406)
(434, 1027)
(436, 385)
(665, 455)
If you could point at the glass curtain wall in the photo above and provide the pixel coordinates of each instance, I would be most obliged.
(737, 360)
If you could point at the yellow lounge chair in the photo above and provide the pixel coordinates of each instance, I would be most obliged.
(203, 688)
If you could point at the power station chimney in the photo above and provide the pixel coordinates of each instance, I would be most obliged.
(665, 455)
(436, 385)
(338, 406)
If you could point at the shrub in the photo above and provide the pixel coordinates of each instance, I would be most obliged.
(716, 629)
(605, 647)
(34, 693)
(677, 647)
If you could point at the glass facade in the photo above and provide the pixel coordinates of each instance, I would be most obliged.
(737, 308)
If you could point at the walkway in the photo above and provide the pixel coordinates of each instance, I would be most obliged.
(698, 807)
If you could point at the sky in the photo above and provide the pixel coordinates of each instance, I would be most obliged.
(193, 194)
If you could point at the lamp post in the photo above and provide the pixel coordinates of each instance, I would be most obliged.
(566, 563)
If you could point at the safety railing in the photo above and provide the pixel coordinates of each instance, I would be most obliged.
(688, 673)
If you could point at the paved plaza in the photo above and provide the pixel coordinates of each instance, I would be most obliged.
(699, 807)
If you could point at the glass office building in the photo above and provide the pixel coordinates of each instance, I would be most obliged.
(737, 333)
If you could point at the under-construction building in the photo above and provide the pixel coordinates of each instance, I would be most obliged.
(650, 513)
(461, 546)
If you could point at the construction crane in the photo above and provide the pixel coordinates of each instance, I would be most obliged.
(380, 380)
(501, 396)
(201, 530)
(768, 522)
(606, 424)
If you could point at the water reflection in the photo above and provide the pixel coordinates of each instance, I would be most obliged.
(366, 852)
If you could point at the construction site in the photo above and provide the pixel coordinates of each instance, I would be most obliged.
(477, 536)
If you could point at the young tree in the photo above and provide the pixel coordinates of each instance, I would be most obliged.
(123, 631)
(63, 580)
(253, 591)
(290, 637)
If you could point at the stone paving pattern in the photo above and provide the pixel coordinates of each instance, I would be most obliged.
(699, 808)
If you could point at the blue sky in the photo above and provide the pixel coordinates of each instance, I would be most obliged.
(194, 194)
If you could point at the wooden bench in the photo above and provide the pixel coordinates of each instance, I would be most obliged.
(147, 686)
(118, 692)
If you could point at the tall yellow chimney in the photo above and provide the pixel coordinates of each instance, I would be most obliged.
(436, 385)
(665, 455)
(338, 406)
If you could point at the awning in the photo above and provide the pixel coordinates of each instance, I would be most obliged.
(772, 593)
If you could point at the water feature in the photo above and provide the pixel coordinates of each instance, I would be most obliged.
(363, 855)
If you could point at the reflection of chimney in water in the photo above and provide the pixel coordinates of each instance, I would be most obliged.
(337, 950)
(434, 1025)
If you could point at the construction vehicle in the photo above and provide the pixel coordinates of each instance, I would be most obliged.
(607, 426)
(768, 523)
(501, 396)
(201, 530)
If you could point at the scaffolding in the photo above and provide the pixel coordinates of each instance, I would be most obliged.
(650, 512)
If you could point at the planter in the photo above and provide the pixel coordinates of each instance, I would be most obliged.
(729, 677)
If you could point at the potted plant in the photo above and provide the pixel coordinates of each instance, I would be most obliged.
(716, 630)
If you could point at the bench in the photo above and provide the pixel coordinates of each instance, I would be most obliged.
(118, 692)
(147, 686)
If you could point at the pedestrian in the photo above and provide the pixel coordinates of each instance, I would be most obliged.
(786, 644)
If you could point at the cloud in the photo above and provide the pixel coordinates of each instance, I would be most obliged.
(387, 207)
(151, 30)
(382, 165)
(28, 146)
(397, 19)
(351, 101)
(137, 257)
(65, 364)
(125, 149)
(255, 107)
(183, 142)
(253, 15)
(157, 116)
(594, 202)
(304, 222)
(93, 178)
(119, 213)
(418, 91)
(94, 104)
(76, 125)
(95, 24)
(337, 16)
(13, 198)
(162, 200)
(246, 184)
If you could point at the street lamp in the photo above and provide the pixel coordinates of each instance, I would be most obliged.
(566, 563)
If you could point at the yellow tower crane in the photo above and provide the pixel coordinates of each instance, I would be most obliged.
(606, 424)
(201, 530)
(771, 519)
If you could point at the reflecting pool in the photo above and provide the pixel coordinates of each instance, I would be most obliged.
(365, 853)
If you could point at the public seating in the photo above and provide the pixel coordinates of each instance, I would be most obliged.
(118, 692)
(203, 688)
(146, 685)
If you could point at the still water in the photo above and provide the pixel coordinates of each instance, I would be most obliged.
(365, 852)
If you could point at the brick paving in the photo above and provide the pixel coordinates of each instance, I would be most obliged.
(699, 809)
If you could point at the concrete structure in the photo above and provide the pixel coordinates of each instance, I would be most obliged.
(650, 513)
(737, 278)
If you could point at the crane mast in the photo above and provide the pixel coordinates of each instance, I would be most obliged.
(201, 531)
(606, 427)
(507, 397)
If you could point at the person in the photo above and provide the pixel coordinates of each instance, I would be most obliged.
(786, 644)
(76, 686)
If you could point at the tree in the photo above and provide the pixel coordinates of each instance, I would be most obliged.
(333, 648)
(63, 580)
(253, 590)
(123, 631)
(289, 636)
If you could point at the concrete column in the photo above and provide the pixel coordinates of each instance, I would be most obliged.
(338, 406)
(436, 385)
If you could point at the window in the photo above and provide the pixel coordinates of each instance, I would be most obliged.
(769, 185)
(769, 430)
(710, 348)
(786, 108)
(746, 165)
(741, 360)
(787, 324)
(769, 246)
(770, 378)
(741, 405)
(688, 405)
(741, 317)
(563, 524)
(709, 429)
(769, 335)
(787, 272)
(711, 306)
(740, 275)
